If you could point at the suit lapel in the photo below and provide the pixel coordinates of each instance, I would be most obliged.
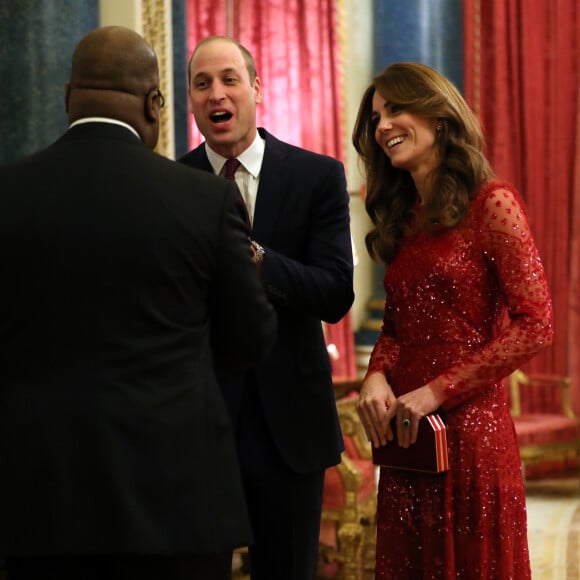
(199, 159)
(274, 179)
(272, 189)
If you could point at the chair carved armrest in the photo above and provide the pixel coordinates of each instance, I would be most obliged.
(351, 426)
(518, 378)
(351, 478)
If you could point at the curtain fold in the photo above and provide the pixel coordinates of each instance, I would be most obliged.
(522, 73)
(574, 287)
(297, 50)
(299, 65)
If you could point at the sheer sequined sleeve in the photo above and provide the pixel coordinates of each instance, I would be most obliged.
(507, 243)
(384, 353)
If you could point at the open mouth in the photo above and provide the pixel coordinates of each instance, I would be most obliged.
(220, 117)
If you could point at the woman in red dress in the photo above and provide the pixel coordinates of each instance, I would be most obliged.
(466, 304)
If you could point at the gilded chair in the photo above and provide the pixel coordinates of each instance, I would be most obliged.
(349, 500)
(551, 433)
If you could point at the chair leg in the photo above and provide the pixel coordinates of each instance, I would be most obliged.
(350, 538)
(369, 550)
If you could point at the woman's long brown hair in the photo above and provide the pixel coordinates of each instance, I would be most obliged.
(391, 193)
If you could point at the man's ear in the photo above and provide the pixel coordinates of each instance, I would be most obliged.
(151, 108)
(257, 90)
(66, 96)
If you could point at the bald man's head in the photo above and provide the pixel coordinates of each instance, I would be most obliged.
(115, 74)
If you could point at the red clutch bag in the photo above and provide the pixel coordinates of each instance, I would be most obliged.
(428, 453)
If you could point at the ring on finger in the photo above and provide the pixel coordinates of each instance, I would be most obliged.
(406, 422)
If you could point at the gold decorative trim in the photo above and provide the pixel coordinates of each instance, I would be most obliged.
(157, 29)
(376, 304)
(477, 57)
(341, 22)
(373, 324)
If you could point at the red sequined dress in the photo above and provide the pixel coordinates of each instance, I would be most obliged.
(464, 308)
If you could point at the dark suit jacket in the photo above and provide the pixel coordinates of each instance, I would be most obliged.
(302, 220)
(123, 274)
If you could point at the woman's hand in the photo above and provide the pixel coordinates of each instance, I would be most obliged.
(411, 408)
(376, 406)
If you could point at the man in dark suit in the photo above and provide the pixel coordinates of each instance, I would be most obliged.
(125, 277)
(285, 415)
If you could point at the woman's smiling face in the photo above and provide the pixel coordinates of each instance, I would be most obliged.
(407, 139)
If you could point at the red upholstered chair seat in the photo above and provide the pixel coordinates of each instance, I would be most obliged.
(543, 429)
(548, 431)
(334, 490)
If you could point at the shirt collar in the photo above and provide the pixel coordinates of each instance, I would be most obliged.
(251, 158)
(104, 120)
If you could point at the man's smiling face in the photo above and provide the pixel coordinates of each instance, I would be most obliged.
(223, 98)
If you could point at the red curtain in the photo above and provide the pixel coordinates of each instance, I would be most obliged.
(522, 74)
(297, 51)
(204, 18)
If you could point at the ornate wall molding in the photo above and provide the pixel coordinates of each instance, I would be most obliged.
(157, 29)
(152, 19)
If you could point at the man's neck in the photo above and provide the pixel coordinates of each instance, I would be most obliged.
(230, 150)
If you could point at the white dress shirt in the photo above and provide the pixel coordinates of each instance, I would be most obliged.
(104, 120)
(248, 174)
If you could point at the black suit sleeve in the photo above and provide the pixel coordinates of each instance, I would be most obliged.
(311, 271)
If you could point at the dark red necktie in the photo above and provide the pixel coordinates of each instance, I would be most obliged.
(231, 167)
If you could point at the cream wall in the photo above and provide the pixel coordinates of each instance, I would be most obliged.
(127, 13)
(358, 74)
(135, 14)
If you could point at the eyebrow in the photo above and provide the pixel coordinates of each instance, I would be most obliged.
(230, 70)
(227, 70)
